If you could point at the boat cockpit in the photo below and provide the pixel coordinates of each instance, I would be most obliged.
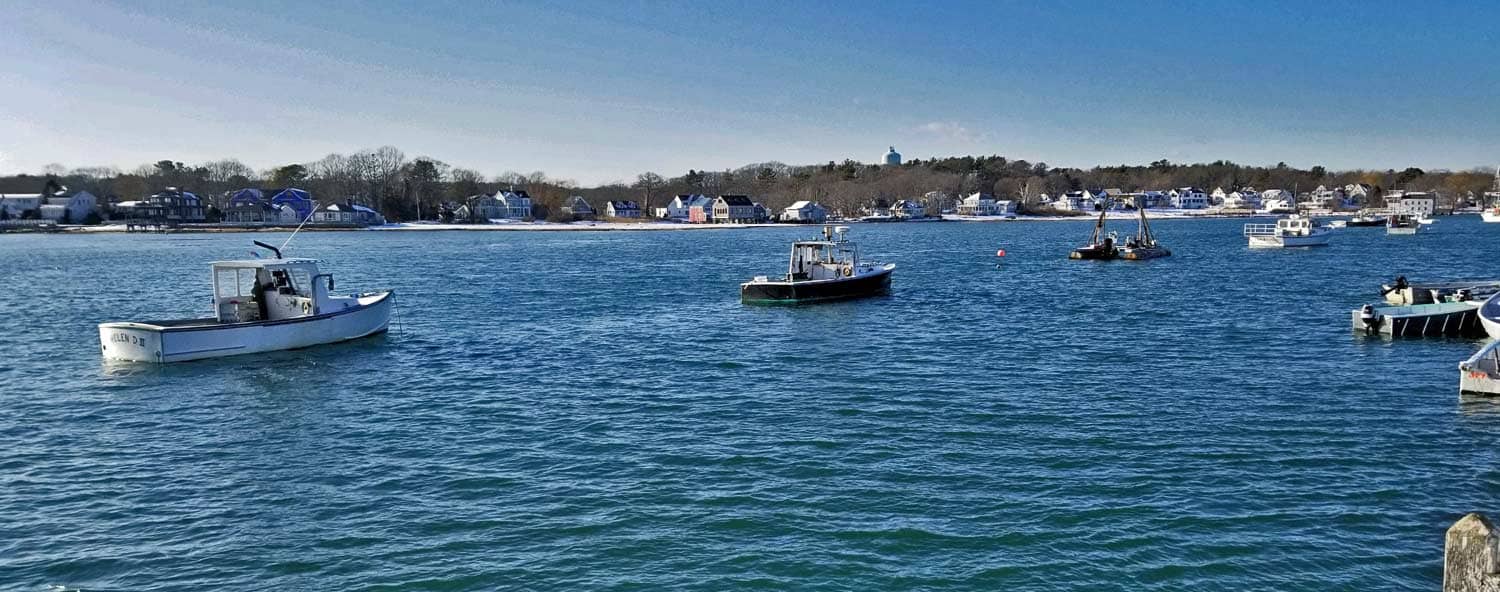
(269, 290)
(825, 259)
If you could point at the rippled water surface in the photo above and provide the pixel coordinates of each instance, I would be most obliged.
(596, 410)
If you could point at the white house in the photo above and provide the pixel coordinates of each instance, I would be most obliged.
(984, 204)
(517, 204)
(15, 204)
(347, 213)
(1277, 201)
(1219, 196)
(907, 208)
(677, 209)
(622, 209)
(1074, 201)
(1188, 198)
(805, 211)
(482, 207)
(1244, 199)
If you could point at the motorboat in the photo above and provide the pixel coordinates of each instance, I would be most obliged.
(1102, 246)
(1401, 223)
(1143, 245)
(1367, 218)
(1491, 214)
(1291, 231)
(821, 271)
(260, 305)
(1480, 374)
(1337, 224)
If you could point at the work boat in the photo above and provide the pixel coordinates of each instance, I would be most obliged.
(1291, 231)
(1143, 245)
(1367, 218)
(260, 305)
(821, 271)
(1401, 224)
(1101, 246)
(1490, 214)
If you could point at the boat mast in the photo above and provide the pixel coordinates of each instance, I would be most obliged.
(1145, 231)
(1098, 227)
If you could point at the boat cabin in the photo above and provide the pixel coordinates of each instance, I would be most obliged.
(1290, 226)
(823, 260)
(269, 290)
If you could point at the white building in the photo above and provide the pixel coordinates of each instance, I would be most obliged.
(1188, 198)
(1419, 202)
(804, 211)
(1277, 201)
(984, 204)
(1074, 201)
(1219, 196)
(677, 209)
(907, 208)
(734, 209)
(517, 204)
(1244, 199)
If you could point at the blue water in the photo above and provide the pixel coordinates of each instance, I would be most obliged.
(596, 410)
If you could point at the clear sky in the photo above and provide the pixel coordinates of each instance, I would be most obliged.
(600, 91)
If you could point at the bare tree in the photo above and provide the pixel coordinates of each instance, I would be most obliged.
(648, 182)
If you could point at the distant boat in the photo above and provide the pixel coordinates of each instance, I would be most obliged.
(1338, 224)
(1292, 231)
(260, 305)
(1490, 214)
(821, 271)
(1401, 223)
(1101, 246)
(1143, 245)
(1367, 218)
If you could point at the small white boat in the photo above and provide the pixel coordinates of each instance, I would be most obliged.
(1490, 214)
(1401, 223)
(260, 305)
(1480, 374)
(1338, 224)
(821, 271)
(1291, 231)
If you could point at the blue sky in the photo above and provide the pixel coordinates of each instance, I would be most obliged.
(600, 91)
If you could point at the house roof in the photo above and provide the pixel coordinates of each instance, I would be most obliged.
(737, 200)
(624, 205)
(797, 205)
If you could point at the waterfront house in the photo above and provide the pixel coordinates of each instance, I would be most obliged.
(172, 205)
(1417, 202)
(1219, 197)
(700, 209)
(1244, 199)
(762, 213)
(481, 207)
(879, 208)
(805, 211)
(1074, 201)
(250, 206)
(59, 205)
(907, 208)
(517, 204)
(1188, 198)
(984, 204)
(736, 209)
(677, 209)
(347, 213)
(622, 209)
(15, 205)
(578, 208)
(938, 202)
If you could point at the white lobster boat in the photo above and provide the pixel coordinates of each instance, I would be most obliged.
(1292, 231)
(260, 305)
(1480, 374)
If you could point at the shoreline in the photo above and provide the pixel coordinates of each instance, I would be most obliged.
(648, 226)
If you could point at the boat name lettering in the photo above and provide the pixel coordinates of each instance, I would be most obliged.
(124, 338)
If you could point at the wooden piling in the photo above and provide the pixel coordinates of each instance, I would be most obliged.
(1470, 555)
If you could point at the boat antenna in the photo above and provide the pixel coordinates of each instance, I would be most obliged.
(310, 213)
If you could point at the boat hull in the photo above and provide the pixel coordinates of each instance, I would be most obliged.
(875, 283)
(1490, 216)
(1401, 230)
(145, 342)
(1094, 253)
(1277, 242)
(1480, 374)
(1444, 319)
(1489, 316)
(1141, 254)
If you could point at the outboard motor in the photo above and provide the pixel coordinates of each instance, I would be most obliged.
(1463, 295)
(1370, 319)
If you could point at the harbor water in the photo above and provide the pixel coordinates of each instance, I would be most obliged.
(597, 411)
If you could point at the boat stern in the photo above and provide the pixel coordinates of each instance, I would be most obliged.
(130, 342)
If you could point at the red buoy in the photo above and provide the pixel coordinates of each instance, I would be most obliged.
(1000, 253)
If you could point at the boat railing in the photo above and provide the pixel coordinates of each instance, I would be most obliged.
(1260, 229)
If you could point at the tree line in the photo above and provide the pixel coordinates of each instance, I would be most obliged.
(405, 188)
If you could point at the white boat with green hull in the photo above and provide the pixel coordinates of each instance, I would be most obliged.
(260, 305)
